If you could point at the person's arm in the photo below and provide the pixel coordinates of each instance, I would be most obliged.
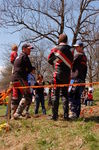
(28, 64)
(51, 57)
(74, 74)
(29, 80)
(76, 66)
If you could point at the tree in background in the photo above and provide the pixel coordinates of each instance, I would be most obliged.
(5, 77)
(42, 21)
(93, 59)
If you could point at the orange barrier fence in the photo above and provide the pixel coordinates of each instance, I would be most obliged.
(58, 85)
(5, 94)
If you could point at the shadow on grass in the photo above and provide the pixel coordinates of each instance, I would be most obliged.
(93, 118)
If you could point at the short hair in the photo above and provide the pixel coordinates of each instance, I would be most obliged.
(62, 38)
(33, 68)
(14, 47)
(39, 76)
(27, 46)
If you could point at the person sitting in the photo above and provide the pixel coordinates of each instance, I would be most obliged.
(89, 99)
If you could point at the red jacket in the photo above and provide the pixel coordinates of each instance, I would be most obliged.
(13, 56)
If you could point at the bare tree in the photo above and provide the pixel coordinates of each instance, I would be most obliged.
(38, 58)
(80, 17)
(93, 60)
(48, 19)
(45, 20)
(6, 72)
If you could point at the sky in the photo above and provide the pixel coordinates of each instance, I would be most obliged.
(6, 40)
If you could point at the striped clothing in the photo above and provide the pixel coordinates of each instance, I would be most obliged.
(61, 58)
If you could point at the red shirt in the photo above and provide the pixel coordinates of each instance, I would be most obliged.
(90, 96)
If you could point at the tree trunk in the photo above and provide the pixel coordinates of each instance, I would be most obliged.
(62, 17)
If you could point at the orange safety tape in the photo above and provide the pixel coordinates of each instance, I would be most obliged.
(5, 94)
(58, 85)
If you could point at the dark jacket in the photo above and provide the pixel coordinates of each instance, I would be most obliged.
(22, 67)
(80, 64)
(61, 58)
(39, 91)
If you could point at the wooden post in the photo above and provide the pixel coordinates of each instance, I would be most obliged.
(9, 109)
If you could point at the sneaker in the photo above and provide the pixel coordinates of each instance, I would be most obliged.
(66, 119)
(28, 116)
(73, 117)
(17, 116)
(53, 118)
(23, 114)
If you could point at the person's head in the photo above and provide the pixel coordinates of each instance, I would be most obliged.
(86, 90)
(90, 91)
(62, 38)
(79, 47)
(33, 70)
(26, 48)
(39, 78)
(14, 47)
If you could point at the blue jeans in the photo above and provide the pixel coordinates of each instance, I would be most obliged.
(40, 99)
(75, 99)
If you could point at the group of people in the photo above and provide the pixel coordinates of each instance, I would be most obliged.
(67, 67)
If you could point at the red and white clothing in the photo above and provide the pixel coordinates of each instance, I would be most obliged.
(61, 58)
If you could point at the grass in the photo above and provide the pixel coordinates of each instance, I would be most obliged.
(2, 110)
(43, 134)
(96, 95)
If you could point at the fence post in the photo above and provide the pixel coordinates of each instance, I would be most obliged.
(9, 108)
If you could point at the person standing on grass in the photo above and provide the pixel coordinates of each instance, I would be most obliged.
(89, 99)
(32, 80)
(39, 95)
(79, 71)
(22, 67)
(61, 58)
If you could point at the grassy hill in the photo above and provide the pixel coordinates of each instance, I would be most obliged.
(40, 133)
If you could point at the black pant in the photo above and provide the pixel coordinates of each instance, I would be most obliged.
(63, 92)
